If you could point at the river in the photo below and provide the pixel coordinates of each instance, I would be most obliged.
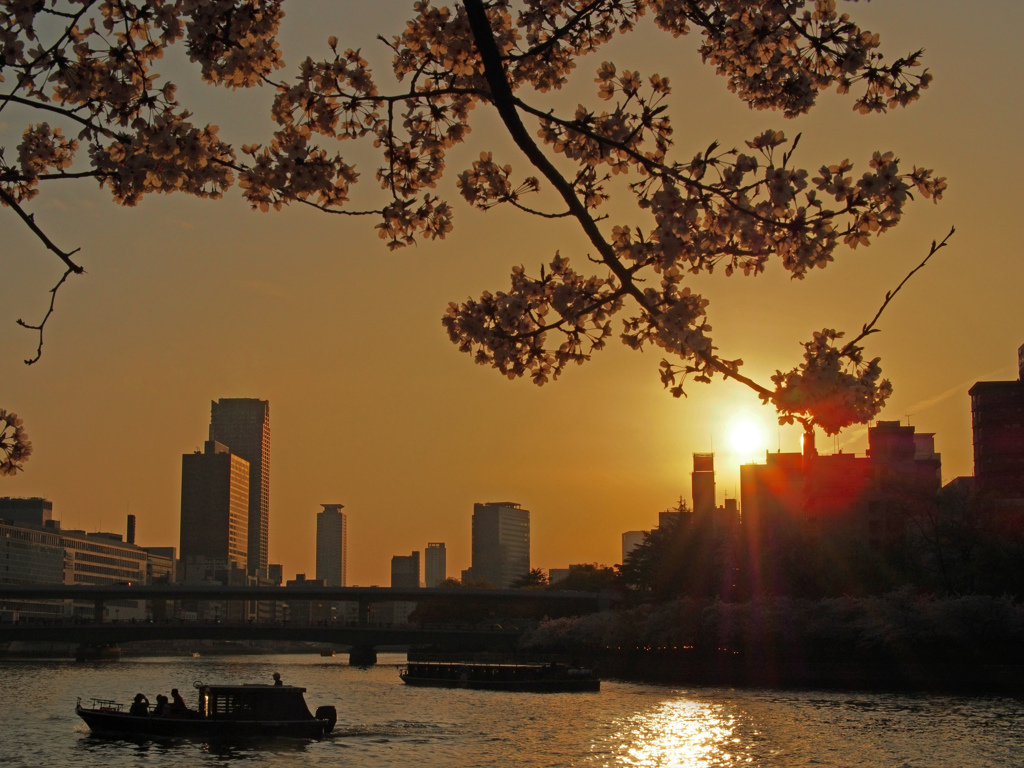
(384, 723)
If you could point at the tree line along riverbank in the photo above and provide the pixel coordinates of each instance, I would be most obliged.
(897, 641)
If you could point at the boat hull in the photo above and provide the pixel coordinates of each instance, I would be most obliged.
(538, 678)
(535, 686)
(120, 724)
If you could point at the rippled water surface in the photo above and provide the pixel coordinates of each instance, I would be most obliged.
(383, 723)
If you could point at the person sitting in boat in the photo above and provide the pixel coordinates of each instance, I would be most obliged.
(178, 706)
(163, 705)
(140, 707)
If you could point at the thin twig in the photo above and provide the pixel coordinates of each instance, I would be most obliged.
(42, 324)
(869, 328)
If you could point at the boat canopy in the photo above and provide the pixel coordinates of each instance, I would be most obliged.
(253, 702)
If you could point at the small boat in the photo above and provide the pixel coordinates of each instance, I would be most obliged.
(327, 654)
(224, 712)
(538, 678)
(195, 654)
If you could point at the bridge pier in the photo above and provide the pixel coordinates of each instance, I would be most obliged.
(362, 656)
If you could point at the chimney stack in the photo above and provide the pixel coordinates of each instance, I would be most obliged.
(130, 538)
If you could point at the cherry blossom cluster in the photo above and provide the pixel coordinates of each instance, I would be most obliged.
(509, 331)
(15, 447)
(834, 386)
(780, 54)
(487, 184)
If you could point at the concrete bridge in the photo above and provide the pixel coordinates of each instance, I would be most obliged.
(362, 636)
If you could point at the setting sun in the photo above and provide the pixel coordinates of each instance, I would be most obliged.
(746, 435)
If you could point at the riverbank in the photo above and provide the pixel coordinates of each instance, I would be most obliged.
(675, 668)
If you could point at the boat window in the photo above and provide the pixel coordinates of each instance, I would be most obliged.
(227, 704)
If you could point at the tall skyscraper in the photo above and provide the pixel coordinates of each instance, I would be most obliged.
(703, 485)
(436, 563)
(215, 506)
(331, 545)
(243, 424)
(501, 542)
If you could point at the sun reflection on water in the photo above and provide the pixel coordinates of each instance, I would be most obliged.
(683, 733)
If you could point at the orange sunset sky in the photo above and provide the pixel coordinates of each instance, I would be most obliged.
(188, 300)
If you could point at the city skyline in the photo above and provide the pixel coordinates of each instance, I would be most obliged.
(187, 300)
(805, 484)
(199, 476)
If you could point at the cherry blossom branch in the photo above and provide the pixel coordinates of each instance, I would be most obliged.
(335, 211)
(542, 214)
(29, 219)
(63, 112)
(505, 102)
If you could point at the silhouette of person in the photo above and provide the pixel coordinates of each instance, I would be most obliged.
(140, 707)
(162, 705)
(178, 706)
(277, 679)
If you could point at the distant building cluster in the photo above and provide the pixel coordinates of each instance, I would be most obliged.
(34, 549)
(852, 501)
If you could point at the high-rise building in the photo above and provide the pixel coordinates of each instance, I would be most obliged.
(997, 414)
(405, 571)
(215, 506)
(501, 542)
(436, 565)
(243, 424)
(703, 485)
(331, 545)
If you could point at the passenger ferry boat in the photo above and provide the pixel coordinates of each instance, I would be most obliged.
(224, 712)
(539, 678)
